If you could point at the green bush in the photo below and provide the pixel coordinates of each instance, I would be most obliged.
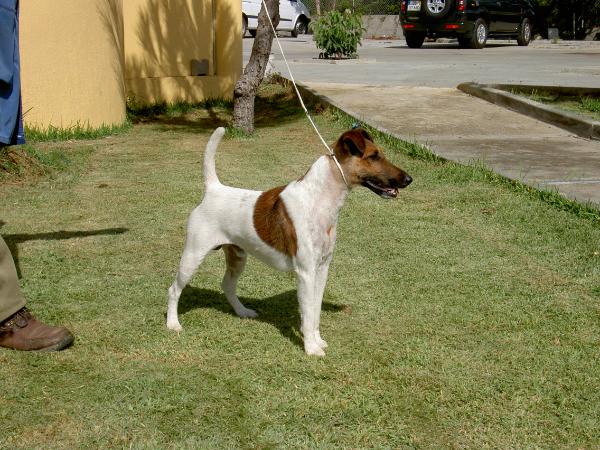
(338, 34)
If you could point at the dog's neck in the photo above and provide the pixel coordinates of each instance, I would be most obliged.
(325, 188)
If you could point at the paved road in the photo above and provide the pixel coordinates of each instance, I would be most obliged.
(411, 94)
(446, 65)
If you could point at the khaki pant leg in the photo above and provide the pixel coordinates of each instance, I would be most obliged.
(11, 298)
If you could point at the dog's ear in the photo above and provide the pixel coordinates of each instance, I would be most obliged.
(366, 135)
(354, 143)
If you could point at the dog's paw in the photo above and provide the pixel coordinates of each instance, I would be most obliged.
(321, 342)
(313, 349)
(175, 326)
(247, 313)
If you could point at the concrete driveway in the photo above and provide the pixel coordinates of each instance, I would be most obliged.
(411, 94)
(392, 63)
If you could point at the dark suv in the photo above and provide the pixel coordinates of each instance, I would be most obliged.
(471, 21)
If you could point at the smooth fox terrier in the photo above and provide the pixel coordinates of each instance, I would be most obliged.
(289, 227)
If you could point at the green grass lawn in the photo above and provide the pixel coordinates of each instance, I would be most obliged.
(465, 314)
(584, 105)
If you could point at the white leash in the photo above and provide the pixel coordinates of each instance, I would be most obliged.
(302, 101)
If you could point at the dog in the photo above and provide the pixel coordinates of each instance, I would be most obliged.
(291, 228)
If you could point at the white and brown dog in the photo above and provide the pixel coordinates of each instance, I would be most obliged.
(290, 227)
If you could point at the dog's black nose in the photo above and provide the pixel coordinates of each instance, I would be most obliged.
(406, 180)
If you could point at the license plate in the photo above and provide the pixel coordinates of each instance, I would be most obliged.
(414, 5)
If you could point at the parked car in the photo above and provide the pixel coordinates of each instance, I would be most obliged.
(294, 17)
(471, 21)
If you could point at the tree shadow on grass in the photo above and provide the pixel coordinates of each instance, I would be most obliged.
(278, 108)
(275, 105)
(280, 310)
(12, 240)
(195, 118)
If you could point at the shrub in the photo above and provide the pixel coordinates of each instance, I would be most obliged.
(338, 34)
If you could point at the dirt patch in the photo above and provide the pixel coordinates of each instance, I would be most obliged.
(17, 161)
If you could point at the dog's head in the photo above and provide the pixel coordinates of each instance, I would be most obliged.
(364, 164)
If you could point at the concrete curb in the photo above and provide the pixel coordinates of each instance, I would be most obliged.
(497, 94)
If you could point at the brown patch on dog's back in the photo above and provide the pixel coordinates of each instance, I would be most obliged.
(273, 223)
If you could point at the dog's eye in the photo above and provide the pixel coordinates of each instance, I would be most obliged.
(375, 156)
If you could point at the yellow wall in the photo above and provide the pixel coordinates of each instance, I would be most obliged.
(163, 36)
(80, 59)
(71, 62)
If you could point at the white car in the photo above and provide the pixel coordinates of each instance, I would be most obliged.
(293, 17)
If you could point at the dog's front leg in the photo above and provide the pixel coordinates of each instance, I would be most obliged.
(310, 308)
(320, 282)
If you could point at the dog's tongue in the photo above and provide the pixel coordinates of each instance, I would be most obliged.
(383, 192)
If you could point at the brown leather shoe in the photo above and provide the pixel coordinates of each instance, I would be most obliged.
(22, 331)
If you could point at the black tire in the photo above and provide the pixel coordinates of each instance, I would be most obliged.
(480, 33)
(252, 33)
(244, 26)
(524, 36)
(438, 8)
(301, 27)
(414, 39)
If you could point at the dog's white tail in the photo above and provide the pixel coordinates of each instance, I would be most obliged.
(210, 173)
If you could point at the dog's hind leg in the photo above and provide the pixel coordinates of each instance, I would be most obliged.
(192, 257)
(235, 257)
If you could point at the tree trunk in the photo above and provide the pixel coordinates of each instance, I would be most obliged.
(318, 6)
(245, 89)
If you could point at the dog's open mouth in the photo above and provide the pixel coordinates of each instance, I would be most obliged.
(385, 192)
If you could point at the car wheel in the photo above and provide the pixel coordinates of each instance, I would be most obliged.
(438, 8)
(252, 33)
(244, 26)
(414, 39)
(301, 27)
(524, 36)
(480, 34)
